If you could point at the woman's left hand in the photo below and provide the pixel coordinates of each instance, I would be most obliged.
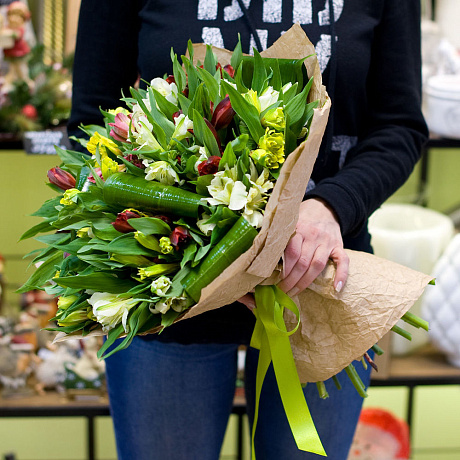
(316, 240)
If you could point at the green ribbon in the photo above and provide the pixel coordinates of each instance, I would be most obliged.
(272, 339)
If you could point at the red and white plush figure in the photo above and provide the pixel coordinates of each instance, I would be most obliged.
(380, 436)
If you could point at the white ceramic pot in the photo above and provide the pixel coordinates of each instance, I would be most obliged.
(441, 303)
(415, 237)
(442, 105)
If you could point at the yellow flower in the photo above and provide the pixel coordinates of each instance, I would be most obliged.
(271, 149)
(85, 232)
(165, 245)
(274, 119)
(70, 197)
(108, 167)
(118, 110)
(65, 302)
(76, 317)
(103, 143)
(251, 96)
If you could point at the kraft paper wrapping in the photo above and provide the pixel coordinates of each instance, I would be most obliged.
(336, 328)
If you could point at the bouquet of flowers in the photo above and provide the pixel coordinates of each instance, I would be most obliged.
(187, 203)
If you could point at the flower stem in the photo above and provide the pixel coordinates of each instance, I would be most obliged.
(402, 332)
(363, 362)
(336, 382)
(371, 362)
(415, 321)
(356, 380)
(323, 394)
(377, 350)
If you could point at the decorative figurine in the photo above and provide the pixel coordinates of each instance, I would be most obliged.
(16, 54)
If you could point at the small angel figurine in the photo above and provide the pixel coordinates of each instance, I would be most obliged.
(16, 55)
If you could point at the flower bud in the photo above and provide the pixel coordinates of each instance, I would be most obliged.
(179, 236)
(230, 70)
(223, 114)
(70, 197)
(121, 223)
(61, 178)
(209, 166)
(165, 245)
(120, 128)
(65, 302)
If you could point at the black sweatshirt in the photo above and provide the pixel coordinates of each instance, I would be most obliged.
(371, 71)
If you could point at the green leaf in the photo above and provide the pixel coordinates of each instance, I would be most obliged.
(246, 111)
(126, 244)
(98, 281)
(210, 60)
(276, 78)
(168, 318)
(238, 239)
(199, 102)
(133, 169)
(212, 85)
(48, 209)
(138, 193)
(237, 55)
(260, 73)
(44, 273)
(179, 74)
(290, 93)
(41, 227)
(192, 75)
(167, 126)
(82, 177)
(168, 108)
(150, 226)
(295, 108)
(70, 157)
(204, 134)
(112, 336)
(228, 158)
(184, 103)
(202, 183)
(189, 254)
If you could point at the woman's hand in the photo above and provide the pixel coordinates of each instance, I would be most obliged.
(316, 240)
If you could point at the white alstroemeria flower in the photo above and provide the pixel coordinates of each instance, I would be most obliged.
(110, 310)
(261, 182)
(203, 156)
(141, 130)
(160, 286)
(168, 90)
(268, 97)
(183, 124)
(161, 171)
(252, 209)
(178, 304)
(286, 87)
(225, 189)
(203, 226)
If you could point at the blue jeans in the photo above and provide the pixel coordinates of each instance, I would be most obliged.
(172, 402)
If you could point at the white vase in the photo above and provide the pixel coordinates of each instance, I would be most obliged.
(415, 237)
(441, 303)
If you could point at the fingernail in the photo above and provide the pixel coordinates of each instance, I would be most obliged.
(339, 286)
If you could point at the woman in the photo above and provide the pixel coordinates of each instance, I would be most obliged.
(171, 394)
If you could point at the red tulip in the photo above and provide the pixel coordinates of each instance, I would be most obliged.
(230, 70)
(171, 79)
(121, 223)
(61, 178)
(223, 114)
(120, 131)
(178, 236)
(209, 166)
